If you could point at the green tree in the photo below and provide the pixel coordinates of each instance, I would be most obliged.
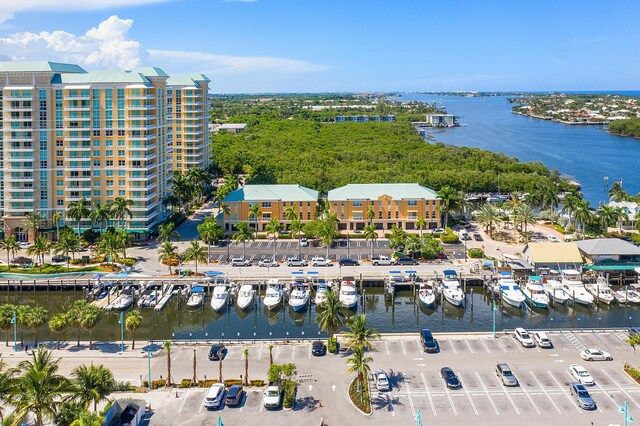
(182, 188)
(421, 223)
(58, 324)
(68, 412)
(242, 235)
(40, 248)
(225, 210)
(607, 214)
(100, 214)
(35, 318)
(398, 238)
(583, 215)
(35, 221)
(124, 241)
(523, 216)
(75, 315)
(359, 364)
(121, 209)
(68, 242)
(274, 227)
(6, 316)
(90, 318)
(88, 419)
(109, 245)
(167, 347)
(132, 322)
(245, 356)
(370, 214)
(331, 318)
(291, 214)
(329, 231)
(359, 335)
(55, 219)
(449, 199)
(11, 246)
(195, 253)
(488, 216)
(255, 213)
(168, 253)
(370, 234)
(210, 233)
(167, 232)
(78, 210)
(92, 384)
(634, 341)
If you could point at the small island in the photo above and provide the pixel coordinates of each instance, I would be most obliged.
(628, 127)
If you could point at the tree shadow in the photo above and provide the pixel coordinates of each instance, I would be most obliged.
(385, 402)
(396, 379)
(307, 403)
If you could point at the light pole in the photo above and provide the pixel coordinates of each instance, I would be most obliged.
(121, 322)
(465, 249)
(624, 409)
(149, 364)
(14, 321)
(419, 417)
(494, 309)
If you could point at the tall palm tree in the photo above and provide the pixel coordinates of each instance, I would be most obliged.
(11, 245)
(55, 219)
(370, 234)
(359, 364)
(6, 317)
(121, 209)
(90, 318)
(255, 213)
(296, 228)
(167, 347)
(35, 221)
(100, 214)
(488, 216)
(68, 242)
(583, 214)
(606, 214)
(331, 318)
(58, 324)
(182, 188)
(167, 232)
(359, 335)
(421, 223)
(569, 205)
(92, 384)
(210, 233)
(78, 210)
(35, 318)
(132, 322)
(616, 193)
(199, 180)
(291, 214)
(548, 196)
(109, 245)
(242, 235)
(123, 241)
(245, 356)
(329, 231)
(449, 199)
(40, 248)
(232, 181)
(226, 212)
(274, 227)
(39, 388)
(75, 316)
(195, 253)
(523, 216)
(371, 214)
(168, 253)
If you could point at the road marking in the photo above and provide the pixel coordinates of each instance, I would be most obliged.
(564, 391)
(184, 401)
(485, 345)
(420, 348)
(426, 388)
(453, 347)
(310, 350)
(487, 392)
(261, 403)
(545, 392)
(201, 406)
(404, 350)
(293, 352)
(448, 393)
(468, 345)
(620, 387)
(573, 339)
(597, 385)
(524, 390)
(260, 352)
(501, 346)
(504, 389)
(386, 346)
(413, 409)
(473, 405)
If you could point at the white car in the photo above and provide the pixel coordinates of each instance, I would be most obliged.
(542, 339)
(593, 354)
(268, 262)
(553, 239)
(272, 397)
(581, 374)
(320, 261)
(215, 396)
(524, 338)
(381, 380)
(304, 242)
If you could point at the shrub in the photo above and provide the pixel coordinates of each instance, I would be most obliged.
(256, 383)
(331, 344)
(206, 383)
(476, 253)
(362, 402)
(157, 384)
(122, 386)
(449, 238)
(289, 394)
(231, 382)
(185, 383)
(127, 261)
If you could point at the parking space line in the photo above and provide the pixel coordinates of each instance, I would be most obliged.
(597, 385)
(545, 392)
(293, 352)
(503, 347)
(453, 407)
(201, 406)
(621, 388)
(564, 391)
(466, 391)
(404, 350)
(420, 348)
(260, 352)
(488, 394)
(573, 339)
(426, 388)
(386, 345)
(184, 401)
(309, 354)
(485, 345)
(468, 345)
(513, 404)
(452, 347)
(261, 404)
(413, 409)
(524, 390)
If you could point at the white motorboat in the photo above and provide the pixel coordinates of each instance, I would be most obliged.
(427, 294)
(322, 293)
(554, 290)
(219, 298)
(124, 301)
(246, 294)
(627, 294)
(533, 291)
(348, 294)
(299, 298)
(273, 296)
(451, 288)
(573, 286)
(600, 290)
(510, 290)
(196, 297)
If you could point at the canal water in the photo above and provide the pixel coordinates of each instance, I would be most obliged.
(586, 153)
(401, 315)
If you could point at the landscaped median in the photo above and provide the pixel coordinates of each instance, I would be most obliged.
(360, 399)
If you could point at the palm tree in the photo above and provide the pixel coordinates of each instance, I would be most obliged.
(6, 317)
(331, 317)
(607, 214)
(11, 245)
(88, 419)
(569, 205)
(449, 199)
(270, 355)
(39, 388)
(226, 212)
(255, 213)
(58, 324)
(274, 227)
(523, 216)
(68, 412)
(167, 232)
(120, 209)
(167, 347)
(421, 223)
(92, 384)
(548, 196)
(75, 316)
(370, 214)
(100, 214)
(291, 214)
(329, 231)
(488, 215)
(633, 340)
(35, 221)
(296, 228)
(132, 322)
(242, 235)
(195, 253)
(370, 234)
(359, 335)
(199, 180)
(35, 318)
(245, 355)
(359, 364)
(124, 241)
(181, 187)
(583, 214)
(56, 218)
(109, 246)
(90, 318)
(40, 248)
(68, 242)
(168, 253)
(616, 193)
(78, 210)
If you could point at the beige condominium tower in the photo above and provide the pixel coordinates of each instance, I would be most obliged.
(68, 134)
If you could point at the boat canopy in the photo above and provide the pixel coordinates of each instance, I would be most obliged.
(535, 278)
(297, 273)
(411, 272)
(197, 289)
(273, 281)
(570, 272)
(313, 273)
(117, 276)
(450, 272)
(395, 272)
(505, 273)
(213, 273)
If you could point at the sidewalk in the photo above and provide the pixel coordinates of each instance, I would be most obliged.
(69, 350)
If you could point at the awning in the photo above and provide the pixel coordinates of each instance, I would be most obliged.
(213, 273)
(621, 267)
(138, 231)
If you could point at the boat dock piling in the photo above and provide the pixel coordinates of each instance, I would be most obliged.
(167, 295)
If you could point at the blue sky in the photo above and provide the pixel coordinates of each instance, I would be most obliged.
(347, 45)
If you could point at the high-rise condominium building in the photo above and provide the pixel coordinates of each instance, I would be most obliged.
(68, 134)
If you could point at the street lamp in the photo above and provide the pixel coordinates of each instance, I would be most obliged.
(121, 322)
(624, 409)
(494, 309)
(14, 321)
(465, 249)
(149, 364)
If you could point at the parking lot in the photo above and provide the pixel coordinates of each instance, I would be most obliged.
(541, 398)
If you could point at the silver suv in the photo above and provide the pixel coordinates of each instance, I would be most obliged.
(506, 376)
(294, 261)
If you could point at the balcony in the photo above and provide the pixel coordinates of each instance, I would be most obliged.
(77, 98)
(142, 148)
(78, 198)
(77, 188)
(10, 97)
(77, 148)
(140, 107)
(77, 138)
(19, 189)
(18, 179)
(139, 97)
(18, 109)
(78, 178)
(20, 139)
(79, 118)
(10, 169)
(19, 149)
(19, 199)
(141, 138)
(142, 117)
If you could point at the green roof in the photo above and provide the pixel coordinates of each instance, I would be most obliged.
(40, 67)
(272, 193)
(151, 72)
(187, 80)
(613, 267)
(102, 77)
(373, 191)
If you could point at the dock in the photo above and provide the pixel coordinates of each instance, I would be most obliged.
(106, 301)
(165, 298)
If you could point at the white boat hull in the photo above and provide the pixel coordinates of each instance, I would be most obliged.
(349, 302)
(299, 305)
(454, 298)
(512, 300)
(427, 299)
(195, 301)
(272, 302)
(220, 304)
(245, 302)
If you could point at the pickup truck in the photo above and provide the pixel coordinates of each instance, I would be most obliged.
(382, 260)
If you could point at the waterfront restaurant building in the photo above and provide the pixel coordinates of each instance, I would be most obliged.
(69, 134)
(274, 200)
(398, 204)
(557, 256)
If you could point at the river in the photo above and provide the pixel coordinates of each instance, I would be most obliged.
(586, 153)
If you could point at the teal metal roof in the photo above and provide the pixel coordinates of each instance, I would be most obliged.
(102, 77)
(613, 267)
(272, 193)
(373, 191)
(151, 72)
(42, 66)
(187, 80)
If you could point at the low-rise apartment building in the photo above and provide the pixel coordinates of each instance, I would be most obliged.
(273, 200)
(398, 204)
(441, 120)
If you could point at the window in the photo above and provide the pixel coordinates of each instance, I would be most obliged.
(121, 153)
(96, 163)
(96, 193)
(357, 216)
(266, 216)
(412, 203)
(43, 164)
(266, 204)
(120, 162)
(380, 214)
(109, 163)
(60, 203)
(109, 193)
(413, 215)
(96, 173)
(96, 133)
(109, 153)
(109, 132)
(59, 143)
(96, 153)
(357, 204)
(59, 182)
(397, 214)
(59, 153)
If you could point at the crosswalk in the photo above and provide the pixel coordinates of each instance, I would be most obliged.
(573, 339)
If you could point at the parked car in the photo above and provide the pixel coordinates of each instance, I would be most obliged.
(320, 261)
(272, 397)
(214, 396)
(582, 397)
(438, 231)
(304, 242)
(429, 344)
(595, 355)
(348, 262)
(477, 237)
(294, 261)
(239, 261)
(234, 396)
(406, 261)
(524, 337)
(450, 378)
(542, 339)
(506, 375)
(59, 259)
(553, 239)
(216, 352)
(382, 260)
(381, 380)
(21, 261)
(24, 244)
(268, 262)
(318, 348)
(581, 375)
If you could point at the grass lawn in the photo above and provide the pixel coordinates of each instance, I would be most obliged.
(363, 403)
(52, 269)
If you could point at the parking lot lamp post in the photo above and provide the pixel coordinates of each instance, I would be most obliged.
(465, 249)
(14, 321)
(494, 309)
(419, 417)
(624, 409)
(149, 364)
(347, 244)
(121, 322)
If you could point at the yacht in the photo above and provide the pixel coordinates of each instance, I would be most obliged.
(573, 286)
(627, 294)
(124, 301)
(321, 293)
(273, 296)
(196, 297)
(148, 296)
(246, 295)
(600, 290)
(451, 288)
(533, 291)
(427, 294)
(348, 294)
(510, 290)
(299, 297)
(219, 298)
(554, 290)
